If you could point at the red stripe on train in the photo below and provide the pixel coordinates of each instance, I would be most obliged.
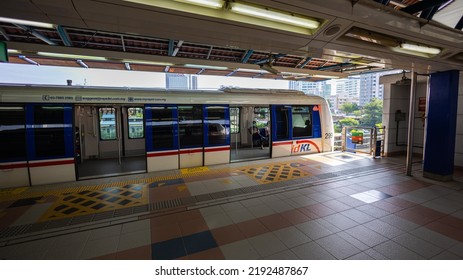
(51, 163)
(282, 143)
(219, 149)
(13, 165)
(191, 151)
(163, 154)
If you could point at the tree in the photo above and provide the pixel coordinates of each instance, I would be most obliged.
(345, 122)
(372, 113)
(348, 107)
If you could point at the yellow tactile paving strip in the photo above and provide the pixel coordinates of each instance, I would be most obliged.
(27, 192)
(90, 201)
(271, 173)
(13, 194)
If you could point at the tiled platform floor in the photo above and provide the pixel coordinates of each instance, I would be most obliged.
(331, 206)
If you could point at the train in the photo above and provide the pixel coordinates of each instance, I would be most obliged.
(53, 134)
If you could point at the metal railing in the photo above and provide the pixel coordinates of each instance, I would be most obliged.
(367, 140)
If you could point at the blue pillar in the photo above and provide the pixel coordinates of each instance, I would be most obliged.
(439, 152)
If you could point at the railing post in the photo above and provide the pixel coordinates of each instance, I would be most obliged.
(343, 139)
(411, 123)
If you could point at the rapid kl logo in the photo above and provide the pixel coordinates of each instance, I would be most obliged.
(304, 146)
(299, 148)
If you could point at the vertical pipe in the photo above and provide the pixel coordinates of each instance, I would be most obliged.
(428, 93)
(411, 123)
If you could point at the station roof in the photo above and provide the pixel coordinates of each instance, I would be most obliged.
(176, 36)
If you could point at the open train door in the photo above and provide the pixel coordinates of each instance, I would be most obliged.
(110, 141)
(250, 132)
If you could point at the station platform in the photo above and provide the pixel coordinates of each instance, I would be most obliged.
(325, 206)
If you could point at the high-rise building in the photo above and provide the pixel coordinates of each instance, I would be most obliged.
(176, 81)
(193, 82)
(349, 87)
(370, 88)
(316, 88)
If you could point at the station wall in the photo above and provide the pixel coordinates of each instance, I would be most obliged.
(397, 97)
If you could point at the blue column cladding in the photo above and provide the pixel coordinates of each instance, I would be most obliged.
(441, 130)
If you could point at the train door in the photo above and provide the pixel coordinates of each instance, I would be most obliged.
(190, 136)
(186, 136)
(250, 132)
(110, 141)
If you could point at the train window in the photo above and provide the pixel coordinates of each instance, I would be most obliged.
(163, 127)
(190, 126)
(235, 120)
(282, 120)
(262, 114)
(49, 131)
(217, 125)
(302, 121)
(12, 133)
(135, 122)
(108, 130)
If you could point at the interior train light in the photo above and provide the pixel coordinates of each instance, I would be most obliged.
(420, 48)
(215, 4)
(72, 56)
(267, 14)
(13, 51)
(27, 22)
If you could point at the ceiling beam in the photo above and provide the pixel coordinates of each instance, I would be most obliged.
(63, 34)
(306, 61)
(429, 13)
(209, 53)
(340, 65)
(177, 48)
(37, 34)
(123, 43)
(171, 47)
(4, 34)
(422, 5)
(275, 57)
(246, 56)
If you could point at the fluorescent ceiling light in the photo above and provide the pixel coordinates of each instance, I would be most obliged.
(301, 75)
(206, 66)
(13, 51)
(147, 62)
(73, 56)
(419, 48)
(215, 4)
(27, 22)
(274, 16)
(325, 76)
(251, 70)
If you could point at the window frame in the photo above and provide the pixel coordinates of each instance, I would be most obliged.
(99, 123)
(142, 123)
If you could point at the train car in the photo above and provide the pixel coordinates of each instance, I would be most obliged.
(51, 134)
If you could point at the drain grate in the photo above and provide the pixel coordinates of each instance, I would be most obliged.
(166, 204)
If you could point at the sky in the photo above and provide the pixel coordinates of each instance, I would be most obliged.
(52, 75)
